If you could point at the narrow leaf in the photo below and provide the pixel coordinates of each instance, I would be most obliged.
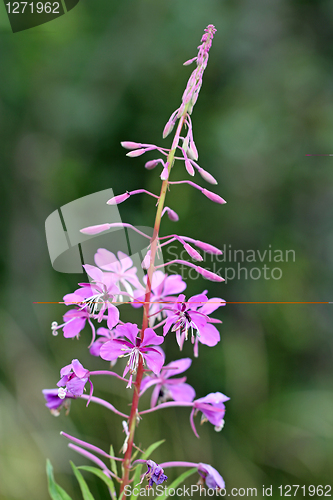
(113, 462)
(83, 485)
(56, 492)
(177, 482)
(107, 480)
(151, 448)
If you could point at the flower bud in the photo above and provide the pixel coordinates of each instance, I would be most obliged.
(192, 252)
(136, 152)
(188, 166)
(208, 274)
(95, 229)
(213, 196)
(130, 145)
(165, 172)
(118, 199)
(152, 164)
(207, 176)
(172, 214)
(206, 247)
(189, 61)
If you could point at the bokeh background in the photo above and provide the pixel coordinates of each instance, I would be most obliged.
(108, 71)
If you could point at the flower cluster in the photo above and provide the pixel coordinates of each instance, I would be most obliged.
(167, 312)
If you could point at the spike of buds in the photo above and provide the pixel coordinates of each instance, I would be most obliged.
(118, 199)
(208, 274)
(213, 196)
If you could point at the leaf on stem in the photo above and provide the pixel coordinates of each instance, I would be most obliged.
(108, 481)
(86, 493)
(56, 492)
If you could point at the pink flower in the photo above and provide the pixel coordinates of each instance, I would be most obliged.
(193, 315)
(212, 409)
(96, 297)
(210, 477)
(73, 379)
(163, 287)
(166, 388)
(135, 348)
(123, 272)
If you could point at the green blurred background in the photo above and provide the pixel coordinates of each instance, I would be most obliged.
(108, 71)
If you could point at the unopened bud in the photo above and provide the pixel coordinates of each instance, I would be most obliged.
(192, 252)
(213, 196)
(118, 199)
(188, 166)
(208, 274)
(136, 152)
(152, 164)
(165, 172)
(172, 214)
(189, 61)
(206, 247)
(95, 229)
(130, 145)
(207, 176)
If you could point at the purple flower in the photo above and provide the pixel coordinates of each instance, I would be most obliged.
(96, 297)
(135, 348)
(193, 315)
(104, 336)
(123, 272)
(210, 477)
(165, 388)
(73, 379)
(212, 409)
(54, 403)
(74, 322)
(162, 289)
(155, 474)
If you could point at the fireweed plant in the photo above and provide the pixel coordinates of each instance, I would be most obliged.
(165, 310)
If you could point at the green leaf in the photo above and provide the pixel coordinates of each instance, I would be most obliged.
(113, 462)
(178, 481)
(56, 492)
(83, 485)
(108, 481)
(145, 456)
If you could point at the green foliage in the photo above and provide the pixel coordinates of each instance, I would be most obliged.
(83, 485)
(108, 481)
(178, 481)
(56, 492)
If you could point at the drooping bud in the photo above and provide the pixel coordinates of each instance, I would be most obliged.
(207, 176)
(136, 152)
(188, 166)
(208, 274)
(213, 196)
(95, 229)
(192, 252)
(185, 144)
(118, 199)
(170, 124)
(131, 145)
(152, 164)
(172, 214)
(206, 247)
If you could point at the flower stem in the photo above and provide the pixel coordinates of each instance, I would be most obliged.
(145, 321)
